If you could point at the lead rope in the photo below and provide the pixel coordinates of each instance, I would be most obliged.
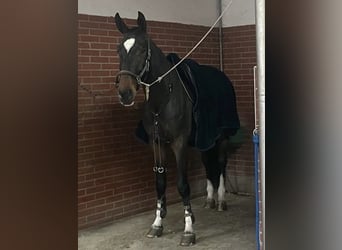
(192, 50)
(95, 94)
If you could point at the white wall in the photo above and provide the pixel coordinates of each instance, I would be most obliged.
(199, 12)
(241, 12)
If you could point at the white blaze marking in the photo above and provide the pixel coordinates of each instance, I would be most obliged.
(221, 190)
(128, 44)
(188, 223)
(158, 220)
(210, 190)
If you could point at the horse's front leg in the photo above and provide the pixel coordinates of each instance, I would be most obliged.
(179, 147)
(156, 229)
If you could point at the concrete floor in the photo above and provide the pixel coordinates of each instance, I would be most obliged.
(232, 229)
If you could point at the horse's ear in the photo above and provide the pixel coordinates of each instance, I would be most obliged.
(141, 21)
(122, 27)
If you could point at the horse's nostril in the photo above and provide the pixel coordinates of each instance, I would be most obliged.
(126, 94)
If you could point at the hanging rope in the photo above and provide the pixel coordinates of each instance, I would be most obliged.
(192, 50)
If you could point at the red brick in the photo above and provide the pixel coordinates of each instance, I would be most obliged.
(108, 53)
(104, 208)
(107, 40)
(95, 203)
(99, 59)
(94, 32)
(83, 17)
(85, 212)
(83, 31)
(88, 66)
(104, 194)
(108, 26)
(115, 213)
(114, 198)
(99, 45)
(83, 59)
(86, 52)
(96, 217)
(83, 45)
(110, 66)
(100, 73)
(85, 24)
(87, 38)
(86, 198)
(98, 18)
(83, 73)
(104, 180)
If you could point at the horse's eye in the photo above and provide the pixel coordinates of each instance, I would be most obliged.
(117, 80)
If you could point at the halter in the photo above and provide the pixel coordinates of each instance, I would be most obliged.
(147, 63)
(143, 71)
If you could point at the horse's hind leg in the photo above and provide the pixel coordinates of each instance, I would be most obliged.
(156, 229)
(180, 149)
(222, 161)
(209, 160)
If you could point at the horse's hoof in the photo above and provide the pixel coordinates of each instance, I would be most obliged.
(221, 206)
(188, 239)
(155, 232)
(209, 203)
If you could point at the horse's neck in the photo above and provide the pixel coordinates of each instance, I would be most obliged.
(159, 93)
(167, 98)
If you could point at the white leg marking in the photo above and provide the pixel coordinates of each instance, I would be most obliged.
(188, 224)
(210, 190)
(158, 220)
(222, 189)
(128, 44)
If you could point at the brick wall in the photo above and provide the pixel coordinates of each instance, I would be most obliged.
(239, 59)
(115, 177)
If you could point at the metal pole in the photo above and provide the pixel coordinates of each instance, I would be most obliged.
(219, 7)
(260, 47)
(256, 185)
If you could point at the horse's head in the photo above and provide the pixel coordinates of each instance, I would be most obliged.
(134, 53)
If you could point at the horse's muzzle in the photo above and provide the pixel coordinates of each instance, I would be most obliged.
(126, 97)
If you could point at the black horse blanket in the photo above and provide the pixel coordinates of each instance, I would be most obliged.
(214, 104)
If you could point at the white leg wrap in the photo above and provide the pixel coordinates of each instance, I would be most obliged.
(158, 220)
(210, 190)
(188, 223)
(222, 189)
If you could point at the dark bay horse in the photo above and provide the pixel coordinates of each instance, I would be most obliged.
(168, 122)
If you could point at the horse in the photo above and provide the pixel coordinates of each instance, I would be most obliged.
(168, 120)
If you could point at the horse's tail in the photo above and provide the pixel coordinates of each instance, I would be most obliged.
(237, 140)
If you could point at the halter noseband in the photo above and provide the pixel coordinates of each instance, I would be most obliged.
(143, 71)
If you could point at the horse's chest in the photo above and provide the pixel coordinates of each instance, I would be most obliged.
(167, 124)
(159, 130)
